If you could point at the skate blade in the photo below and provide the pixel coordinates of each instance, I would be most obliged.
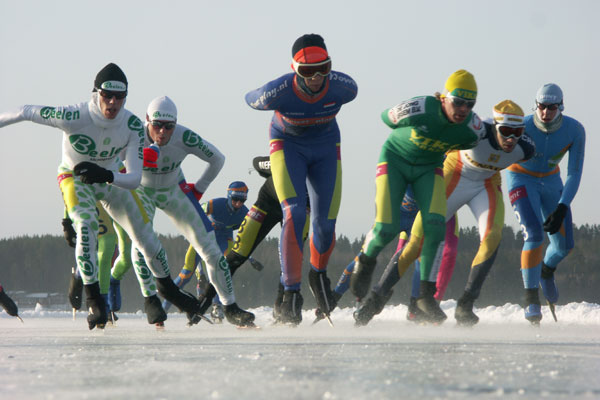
(328, 318)
(20, 319)
(252, 325)
(160, 326)
(207, 319)
(317, 319)
(74, 312)
(553, 311)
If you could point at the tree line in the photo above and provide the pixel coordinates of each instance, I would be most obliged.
(43, 264)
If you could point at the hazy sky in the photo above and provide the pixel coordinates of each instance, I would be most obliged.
(206, 55)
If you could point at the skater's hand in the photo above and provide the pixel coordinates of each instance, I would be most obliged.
(190, 187)
(151, 154)
(555, 220)
(69, 232)
(90, 173)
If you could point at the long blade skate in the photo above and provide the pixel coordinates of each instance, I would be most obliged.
(74, 312)
(328, 318)
(552, 308)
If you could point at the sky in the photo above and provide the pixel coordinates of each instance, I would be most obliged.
(206, 55)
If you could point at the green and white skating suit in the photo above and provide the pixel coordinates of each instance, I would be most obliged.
(161, 188)
(89, 136)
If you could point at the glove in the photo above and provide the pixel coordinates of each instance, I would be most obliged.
(555, 220)
(92, 173)
(69, 232)
(151, 154)
(190, 187)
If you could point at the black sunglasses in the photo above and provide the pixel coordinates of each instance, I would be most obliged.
(550, 107)
(109, 94)
(163, 124)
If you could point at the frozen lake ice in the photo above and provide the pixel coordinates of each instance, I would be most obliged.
(50, 356)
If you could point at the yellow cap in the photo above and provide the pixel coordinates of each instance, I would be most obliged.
(461, 84)
(507, 112)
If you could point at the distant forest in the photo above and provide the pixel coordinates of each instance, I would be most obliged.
(43, 264)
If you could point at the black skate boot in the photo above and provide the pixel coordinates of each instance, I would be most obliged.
(291, 307)
(414, 314)
(430, 307)
(154, 310)
(320, 287)
(360, 280)
(370, 307)
(96, 306)
(464, 314)
(181, 299)
(277, 305)
(75, 290)
(236, 316)
(8, 304)
(533, 309)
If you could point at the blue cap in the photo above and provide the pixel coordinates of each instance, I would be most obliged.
(550, 93)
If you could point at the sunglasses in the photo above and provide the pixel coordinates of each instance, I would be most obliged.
(243, 200)
(322, 68)
(108, 94)
(458, 102)
(511, 131)
(550, 107)
(163, 124)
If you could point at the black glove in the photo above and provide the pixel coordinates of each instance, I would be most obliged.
(92, 173)
(69, 232)
(555, 220)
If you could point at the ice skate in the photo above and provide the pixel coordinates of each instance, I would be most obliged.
(154, 311)
(291, 307)
(96, 307)
(360, 280)
(75, 290)
(428, 305)
(370, 307)
(463, 313)
(9, 305)
(549, 288)
(533, 310)
(236, 316)
(183, 300)
(414, 314)
(217, 315)
(114, 294)
(320, 287)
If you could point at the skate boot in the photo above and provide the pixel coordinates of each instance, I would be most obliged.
(96, 306)
(426, 303)
(181, 299)
(320, 287)
(370, 307)
(217, 314)
(154, 311)
(464, 314)
(533, 310)
(360, 280)
(114, 294)
(8, 304)
(75, 290)
(277, 305)
(291, 307)
(548, 285)
(414, 314)
(236, 316)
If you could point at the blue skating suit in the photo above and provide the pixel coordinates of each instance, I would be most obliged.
(305, 155)
(535, 188)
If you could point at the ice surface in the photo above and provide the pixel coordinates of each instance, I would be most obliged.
(50, 356)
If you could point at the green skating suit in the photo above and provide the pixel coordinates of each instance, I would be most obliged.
(413, 154)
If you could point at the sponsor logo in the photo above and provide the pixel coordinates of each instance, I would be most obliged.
(408, 108)
(382, 169)
(84, 260)
(262, 99)
(329, 104)
(114, 86)
(85, 145)
(224, 266)
(257, 215)
(517, 193)
(429, 144)
(51, 112)
(135, 124)
(163, 116)
(191, 139)
(344, 79)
